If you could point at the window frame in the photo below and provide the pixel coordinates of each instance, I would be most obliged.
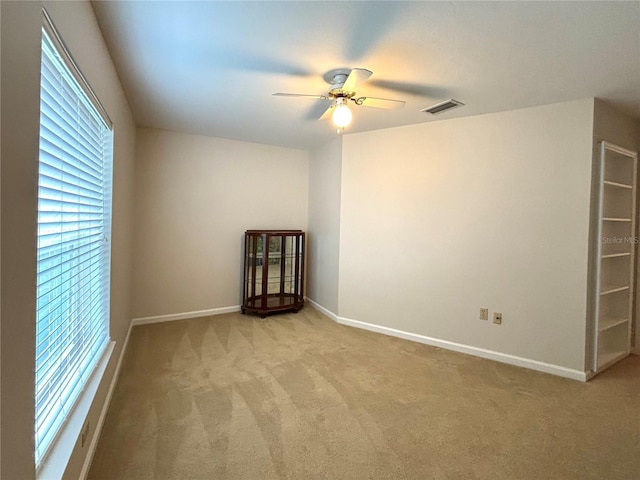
(57, 451)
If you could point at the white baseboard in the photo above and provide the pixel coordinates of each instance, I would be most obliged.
(320, 308)
(458, 347)
(181, 316)
(105, 408)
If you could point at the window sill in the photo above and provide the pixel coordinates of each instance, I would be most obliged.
(56, 460)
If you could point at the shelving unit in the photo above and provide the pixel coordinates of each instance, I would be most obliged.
(614, 274)
(273, 271)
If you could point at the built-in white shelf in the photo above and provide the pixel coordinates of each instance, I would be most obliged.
(609, 358)
(613, 257)
(616, 184)
(607, 323)
(616, 255)
(610, 290)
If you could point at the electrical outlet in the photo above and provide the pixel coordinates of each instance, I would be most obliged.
(497, 318)
(484, 314)
(85, 434)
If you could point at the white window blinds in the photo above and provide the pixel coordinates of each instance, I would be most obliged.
(74, 221)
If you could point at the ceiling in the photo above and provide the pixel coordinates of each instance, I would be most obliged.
(210, 67)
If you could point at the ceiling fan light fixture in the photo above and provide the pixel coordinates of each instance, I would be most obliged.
(344, 83)
(341, 114)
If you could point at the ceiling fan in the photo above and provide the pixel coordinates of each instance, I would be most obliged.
(343, 88)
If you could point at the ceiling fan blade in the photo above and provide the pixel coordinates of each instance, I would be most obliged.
(362, 39)
(385, 103)
(327, 113)
(315, 110)
(356, 76)
(317, 97)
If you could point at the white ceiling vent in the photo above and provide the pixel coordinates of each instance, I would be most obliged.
(442, 106)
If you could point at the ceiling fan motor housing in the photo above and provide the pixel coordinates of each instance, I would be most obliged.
(337, 83)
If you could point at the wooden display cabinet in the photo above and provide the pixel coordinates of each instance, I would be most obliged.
(273, 271)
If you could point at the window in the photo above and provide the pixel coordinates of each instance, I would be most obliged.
(74, 221)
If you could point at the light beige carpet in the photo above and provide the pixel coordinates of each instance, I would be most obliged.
(301, 397)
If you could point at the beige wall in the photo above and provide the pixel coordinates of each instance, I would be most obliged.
(20, 69)
(325, 171)
(195, 197)
(443, 218)
(21, 24)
